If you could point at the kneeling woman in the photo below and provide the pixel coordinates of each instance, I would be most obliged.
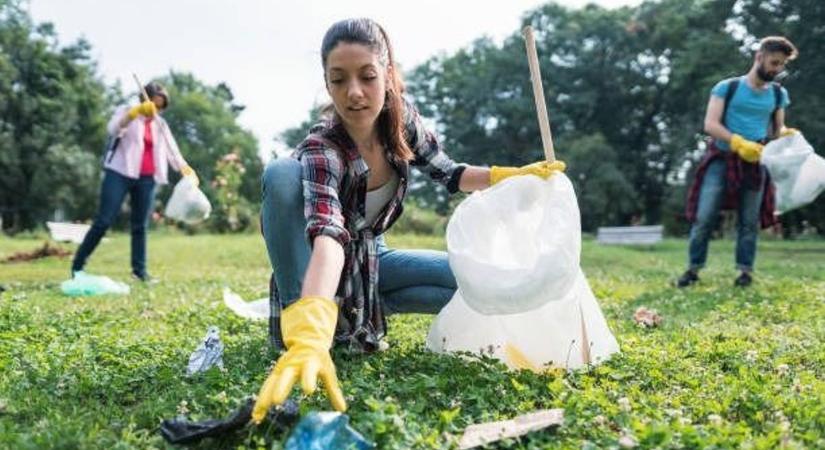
(325, 209)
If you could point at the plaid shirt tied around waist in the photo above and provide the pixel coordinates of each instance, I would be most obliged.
(739, 174)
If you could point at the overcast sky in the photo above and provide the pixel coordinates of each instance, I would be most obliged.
(267, 50)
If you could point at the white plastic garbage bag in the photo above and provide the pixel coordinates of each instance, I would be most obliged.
(516, 246)
(84, 284)
(187, 203)
(550, 336)
(796, 170)
(522, 297)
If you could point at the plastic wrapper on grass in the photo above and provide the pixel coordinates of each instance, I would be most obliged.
(84, 284)
(209, 353)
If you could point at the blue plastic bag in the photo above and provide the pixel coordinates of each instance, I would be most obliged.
(326, 431)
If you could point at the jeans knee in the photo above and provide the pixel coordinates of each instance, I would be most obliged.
(103, 223)
(702, 227)
(281, 180)
(748, 227)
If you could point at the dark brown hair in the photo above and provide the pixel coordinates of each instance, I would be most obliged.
(154, 88)
(391, 129)
(773, 44)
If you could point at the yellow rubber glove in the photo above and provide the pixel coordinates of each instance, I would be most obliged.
(748, 150)
(788, 131)
(541, 169)
(308, 327)
(187, 171)
(146, 108)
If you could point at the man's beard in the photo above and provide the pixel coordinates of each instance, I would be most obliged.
(764, 75)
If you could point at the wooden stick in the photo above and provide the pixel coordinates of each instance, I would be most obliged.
(547, 142)
(538, 93)
(140, 86)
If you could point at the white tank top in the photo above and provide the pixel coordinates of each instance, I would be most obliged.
(378, 198)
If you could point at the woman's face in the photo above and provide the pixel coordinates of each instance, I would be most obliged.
(357, 83)
(159, 101)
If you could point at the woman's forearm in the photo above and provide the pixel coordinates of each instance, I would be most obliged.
(324, 270)
(474, 178)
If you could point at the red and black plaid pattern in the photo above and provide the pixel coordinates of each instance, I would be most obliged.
(739, 174)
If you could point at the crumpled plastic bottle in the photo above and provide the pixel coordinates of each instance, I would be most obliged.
(326, 431)
(209, 353)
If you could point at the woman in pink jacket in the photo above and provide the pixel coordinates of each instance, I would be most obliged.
(142, 148)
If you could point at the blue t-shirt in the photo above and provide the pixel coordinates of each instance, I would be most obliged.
(749, 111)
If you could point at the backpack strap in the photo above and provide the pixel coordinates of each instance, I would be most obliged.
(732, 86)
(777, 95)
(112, 143)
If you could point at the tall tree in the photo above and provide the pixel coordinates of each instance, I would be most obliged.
(52, 112)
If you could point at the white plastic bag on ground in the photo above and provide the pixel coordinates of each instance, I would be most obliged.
(84, 284)
(187, 203)
(255, 310)
(796, 170)
(522, 297)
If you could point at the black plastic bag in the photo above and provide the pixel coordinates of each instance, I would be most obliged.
(182, 431)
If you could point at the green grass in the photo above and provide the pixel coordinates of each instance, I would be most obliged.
(729, 368)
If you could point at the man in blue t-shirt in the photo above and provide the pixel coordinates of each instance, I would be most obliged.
(742, 114)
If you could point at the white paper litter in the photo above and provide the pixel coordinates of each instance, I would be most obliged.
(485, 433)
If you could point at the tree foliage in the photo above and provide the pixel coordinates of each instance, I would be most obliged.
(52, 113)
(627, 90)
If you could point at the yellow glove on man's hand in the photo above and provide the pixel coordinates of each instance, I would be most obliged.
(748, 150)
(788, 131)
(187, 171)
(541, 169)
(146, 108)
(308, 327)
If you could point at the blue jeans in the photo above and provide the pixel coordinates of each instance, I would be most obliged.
(141, 198)
(409, 281)
(711, 196)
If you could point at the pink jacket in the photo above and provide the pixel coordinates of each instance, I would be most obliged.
(129, 153)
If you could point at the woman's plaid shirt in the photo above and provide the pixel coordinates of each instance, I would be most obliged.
(334, 187)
